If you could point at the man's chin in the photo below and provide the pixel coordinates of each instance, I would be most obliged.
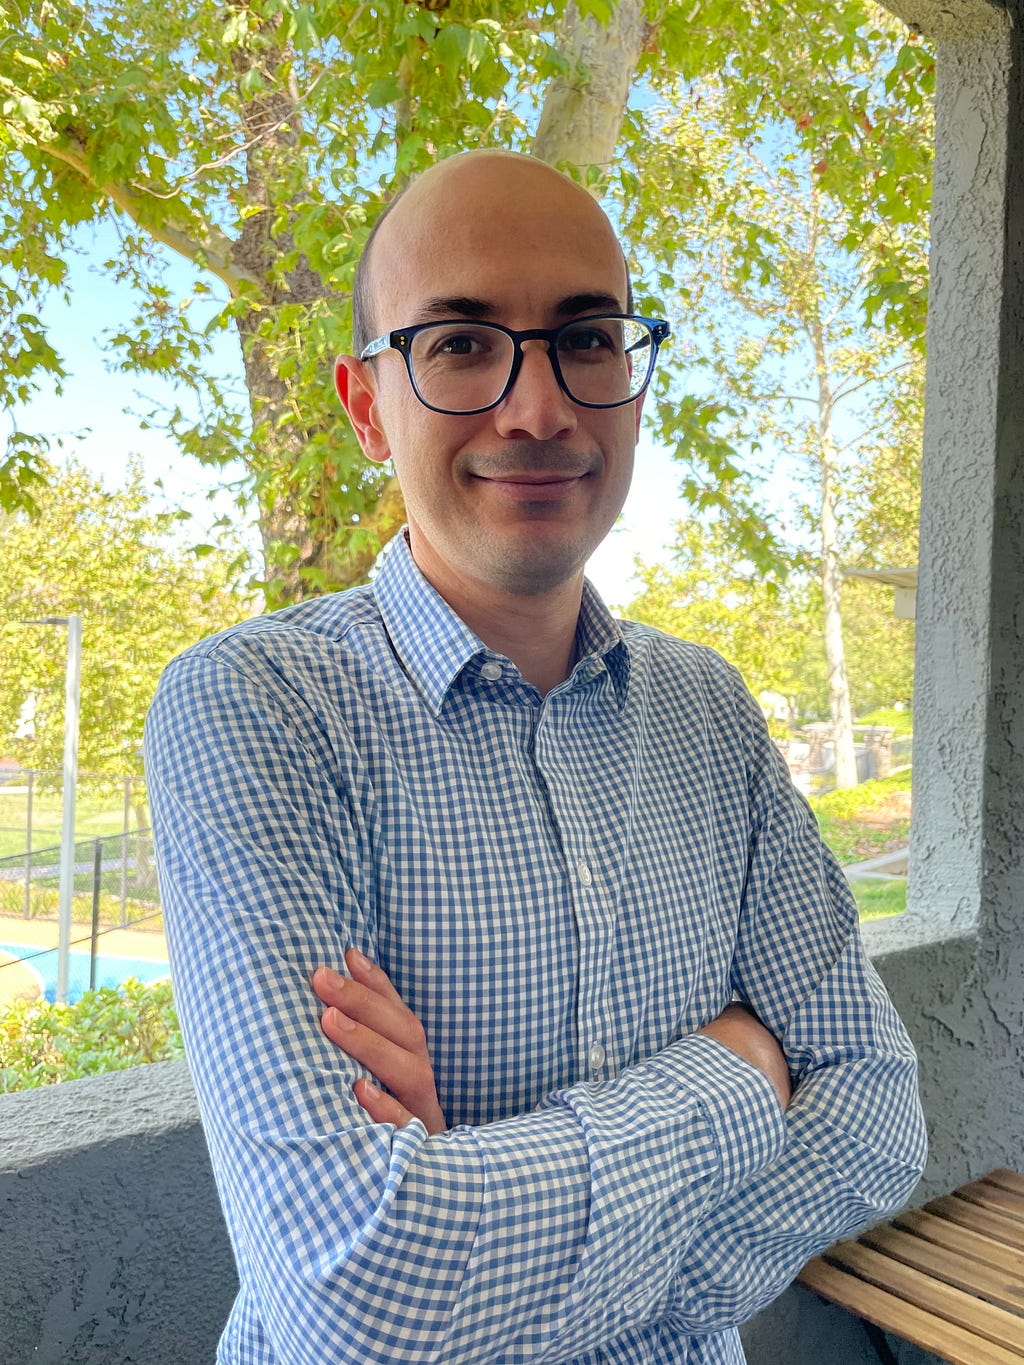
(533, 570)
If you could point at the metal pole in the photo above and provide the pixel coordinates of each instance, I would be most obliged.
(72, 701)
(124, 846)
(28, 846)
(97, 877)
(72, 694)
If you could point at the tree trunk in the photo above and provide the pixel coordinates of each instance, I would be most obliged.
(831, 577)
(583, 111)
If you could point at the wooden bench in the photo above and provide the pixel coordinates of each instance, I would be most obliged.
(948, 1277)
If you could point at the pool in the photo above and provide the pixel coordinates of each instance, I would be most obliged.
(111, 969)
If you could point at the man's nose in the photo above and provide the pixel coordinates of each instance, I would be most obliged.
(536, 405)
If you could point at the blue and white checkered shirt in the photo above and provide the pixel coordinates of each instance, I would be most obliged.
(562, 889)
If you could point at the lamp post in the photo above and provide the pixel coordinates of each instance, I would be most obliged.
(72, 699)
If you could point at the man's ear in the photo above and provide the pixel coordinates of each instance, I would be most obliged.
(357, 389)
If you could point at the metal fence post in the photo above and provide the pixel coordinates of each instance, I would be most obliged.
(28, 845)
(125, 824)
(97, 874)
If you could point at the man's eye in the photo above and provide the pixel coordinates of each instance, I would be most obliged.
(589, 339)
(459, 344)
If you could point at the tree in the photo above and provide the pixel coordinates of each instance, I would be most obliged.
(259, 139)
(769, 629)
(111, 559)
(707, 595)
(776, 276)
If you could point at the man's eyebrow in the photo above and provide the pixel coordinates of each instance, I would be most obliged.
(455, 306)
(587, 303)
(466, 306)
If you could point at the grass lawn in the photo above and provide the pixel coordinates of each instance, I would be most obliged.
(95, 815)
(864, 822)
(877, 899)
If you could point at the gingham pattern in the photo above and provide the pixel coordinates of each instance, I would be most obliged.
(562, 890)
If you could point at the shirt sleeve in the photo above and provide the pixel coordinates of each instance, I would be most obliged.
(536, 1237)
(855, 1135)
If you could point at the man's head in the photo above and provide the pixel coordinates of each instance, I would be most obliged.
(516, 498)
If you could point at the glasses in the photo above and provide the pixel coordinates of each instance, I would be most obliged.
(469, 367)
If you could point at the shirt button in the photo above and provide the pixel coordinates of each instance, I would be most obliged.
(596, 1056)
(491, 671)
(584, 873)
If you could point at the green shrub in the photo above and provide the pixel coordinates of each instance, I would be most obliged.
(900, 721)
(866, 820)
(107, 1030)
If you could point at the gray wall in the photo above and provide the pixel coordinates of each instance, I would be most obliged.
(113, 1250)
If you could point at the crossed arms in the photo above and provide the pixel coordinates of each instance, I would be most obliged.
(367, 1018)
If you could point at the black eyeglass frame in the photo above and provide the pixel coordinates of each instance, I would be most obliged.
(401, 340)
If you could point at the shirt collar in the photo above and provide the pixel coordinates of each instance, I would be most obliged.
(434, 644)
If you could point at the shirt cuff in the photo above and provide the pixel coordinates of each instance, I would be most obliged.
(741, 1105)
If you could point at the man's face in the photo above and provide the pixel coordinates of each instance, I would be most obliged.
(517, 498)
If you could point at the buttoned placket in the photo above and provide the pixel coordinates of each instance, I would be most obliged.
(593, 897)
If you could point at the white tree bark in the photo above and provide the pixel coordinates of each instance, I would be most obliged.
(583, 111)
(831, 574)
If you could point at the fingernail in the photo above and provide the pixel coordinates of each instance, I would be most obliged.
(371, 1090)
(340, 1021)
(359, 959)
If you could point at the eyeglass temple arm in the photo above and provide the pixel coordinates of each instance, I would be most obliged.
(375, 347)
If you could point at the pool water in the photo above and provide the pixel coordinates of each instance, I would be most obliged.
(111, 969)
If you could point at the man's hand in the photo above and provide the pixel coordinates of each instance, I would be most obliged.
(739, 1029)
(367, 1018)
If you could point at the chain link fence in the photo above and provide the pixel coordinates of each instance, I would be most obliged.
(31, 806)
(117, 927)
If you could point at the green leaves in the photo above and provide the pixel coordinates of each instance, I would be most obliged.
(114, 560)
(107, 1030)
(259, 141)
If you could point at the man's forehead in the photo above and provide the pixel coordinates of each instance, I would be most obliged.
(497, 218)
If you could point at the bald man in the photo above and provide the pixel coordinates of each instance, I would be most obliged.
(528, 1016)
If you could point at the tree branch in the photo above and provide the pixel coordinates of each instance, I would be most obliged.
(213, 254)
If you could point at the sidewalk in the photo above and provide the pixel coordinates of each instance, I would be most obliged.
(884, 867)
(35, 933)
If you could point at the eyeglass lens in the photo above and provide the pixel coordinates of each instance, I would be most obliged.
(462, 366)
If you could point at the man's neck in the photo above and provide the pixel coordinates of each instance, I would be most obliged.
(536, 631)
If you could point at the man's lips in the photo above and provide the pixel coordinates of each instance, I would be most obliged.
(533, 487)
(532, 483)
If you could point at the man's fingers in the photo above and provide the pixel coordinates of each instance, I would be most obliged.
(401, 1071)
(382, 1108)
(364, 971)
(386, 1015)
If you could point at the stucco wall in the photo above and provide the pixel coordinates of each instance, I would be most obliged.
(112, 1250)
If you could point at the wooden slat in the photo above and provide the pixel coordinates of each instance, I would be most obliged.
(962, 1240)
(995, 1324)
(1007, 1180)
(993, 1197)
(1004, 1229)
(951, 1267)
(892, 1314)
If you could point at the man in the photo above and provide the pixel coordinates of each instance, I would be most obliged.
(566, 874)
